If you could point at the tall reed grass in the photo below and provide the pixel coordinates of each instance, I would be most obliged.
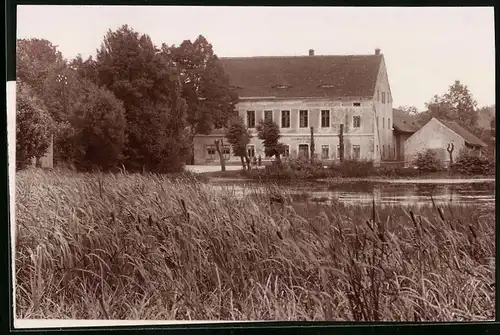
(94, 246)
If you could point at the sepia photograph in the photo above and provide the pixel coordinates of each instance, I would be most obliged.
(239, 164)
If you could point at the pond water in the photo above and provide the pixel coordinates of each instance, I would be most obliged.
(385, 192)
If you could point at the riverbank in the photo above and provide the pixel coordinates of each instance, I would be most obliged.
(236, 174)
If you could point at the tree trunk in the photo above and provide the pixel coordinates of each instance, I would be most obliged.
(247, 159)
(341, 143)
(218, 144)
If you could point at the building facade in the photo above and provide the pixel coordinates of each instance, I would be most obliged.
(436, 135)
(322, 92)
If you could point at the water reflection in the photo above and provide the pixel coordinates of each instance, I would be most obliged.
(362, 193)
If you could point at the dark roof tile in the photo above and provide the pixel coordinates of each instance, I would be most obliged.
(469, 138)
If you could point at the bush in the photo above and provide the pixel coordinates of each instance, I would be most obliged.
(34, 126)
(99, 130)
(470, 164)
(353, 168)
(428, 161)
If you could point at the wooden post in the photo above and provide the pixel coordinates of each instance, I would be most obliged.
(341, 143)
(311, 147)
(450, 152)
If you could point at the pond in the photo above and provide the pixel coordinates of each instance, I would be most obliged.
(385, 192)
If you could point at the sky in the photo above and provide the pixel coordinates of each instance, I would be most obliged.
(425, 48)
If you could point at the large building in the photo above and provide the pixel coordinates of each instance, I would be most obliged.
(323, 92)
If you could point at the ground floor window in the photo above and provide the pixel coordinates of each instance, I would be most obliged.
(325, 151)
(210, 153)
(303, 150)
(356, 151)
(251, 151)
(226, 151)
(286, 152)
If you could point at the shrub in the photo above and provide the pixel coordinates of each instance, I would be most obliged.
(34, 126)
(428, 161)
(353, 168)
(471, 164)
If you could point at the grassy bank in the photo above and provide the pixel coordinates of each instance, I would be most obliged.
(149, 247)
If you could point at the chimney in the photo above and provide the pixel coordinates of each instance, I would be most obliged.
(311, 52)
(377, 51)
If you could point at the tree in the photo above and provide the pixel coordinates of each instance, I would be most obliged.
(146, 79)
(493, 127)
(269, 133)
(238, 137)
(205, 86)
(409, 110)
(457, 105)
(99, 129)
(34, 126)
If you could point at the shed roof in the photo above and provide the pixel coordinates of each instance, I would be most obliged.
(403, 122)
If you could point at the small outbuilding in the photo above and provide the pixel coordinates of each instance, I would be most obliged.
(436, 135)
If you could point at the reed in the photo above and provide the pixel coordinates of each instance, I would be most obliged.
(130, 246)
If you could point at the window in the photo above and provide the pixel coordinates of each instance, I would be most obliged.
(325, 151)
(356, 104)
(226, 151)
(251, 119)
(286, 153)
(356, 121)
(383, 150)
(346, 120)
(389, 151)
(378, 124)
(356, 151)
(210, 152)
(325, 119)
(338, 151)
(268, 115)
(377, 149)
(383, 97)
(285, 119)
(303, 150)
(251, 151)
(394, 150)
(303, 118)
(378, 95)
(383, 122)
(389, 123)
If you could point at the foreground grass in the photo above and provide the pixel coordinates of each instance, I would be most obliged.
(147, 247)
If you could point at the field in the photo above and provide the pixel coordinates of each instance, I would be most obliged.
(127, 246)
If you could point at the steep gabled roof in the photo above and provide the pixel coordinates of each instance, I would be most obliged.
(403, 122)
(303, 76)
(465, 134)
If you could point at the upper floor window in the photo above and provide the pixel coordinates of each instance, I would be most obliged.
(303, 119)
(251, 119)
(285, 119)
(383, 122)
(356, 104)
(383, 97)
(325, 119)
(389, 123)
(356, 121)
(378, 95)
(268, 115)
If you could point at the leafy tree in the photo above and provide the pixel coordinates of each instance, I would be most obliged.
(409, 110)
(205, 86)
(456, 104)
(269, 133)
(99, 129)
(146, 79)
(238, 137)
(34, 126)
